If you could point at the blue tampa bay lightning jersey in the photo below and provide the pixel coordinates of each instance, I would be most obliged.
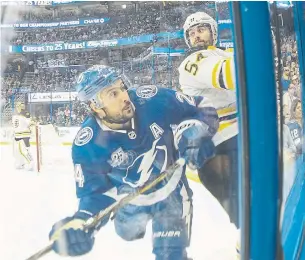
(109, 163)
(296, 135)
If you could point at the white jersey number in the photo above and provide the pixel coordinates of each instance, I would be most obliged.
(78, 175)
(181, 97)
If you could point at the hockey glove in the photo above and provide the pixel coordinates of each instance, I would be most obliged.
(193, 140)
(69, 237)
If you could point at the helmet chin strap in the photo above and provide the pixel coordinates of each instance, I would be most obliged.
(97, 103)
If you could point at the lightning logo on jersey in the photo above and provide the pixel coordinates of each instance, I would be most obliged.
(146, 164)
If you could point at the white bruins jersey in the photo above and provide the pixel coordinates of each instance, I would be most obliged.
(21, 126)
(211, 73)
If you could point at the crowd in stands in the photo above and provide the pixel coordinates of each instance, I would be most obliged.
(291, 93)
(290, 74)
(72, 114)
(148, 21)
(8, 83)
(69, 58)
(47, 80)
(58, 71)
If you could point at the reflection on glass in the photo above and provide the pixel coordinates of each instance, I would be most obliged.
(168, 71)
(288, 77)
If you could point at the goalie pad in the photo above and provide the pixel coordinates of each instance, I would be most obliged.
(23, 157)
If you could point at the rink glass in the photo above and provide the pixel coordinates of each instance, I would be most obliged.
(40, 63)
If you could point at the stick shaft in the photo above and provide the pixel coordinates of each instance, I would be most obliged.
(92, 222)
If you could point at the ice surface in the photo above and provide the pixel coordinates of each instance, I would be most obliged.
(32, 202)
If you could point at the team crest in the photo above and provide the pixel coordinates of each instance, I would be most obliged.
(84, 136)
(147, 91)
(121, 159)
(117, 157)
(145, 165)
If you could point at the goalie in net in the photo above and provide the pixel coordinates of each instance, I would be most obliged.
(22, 124)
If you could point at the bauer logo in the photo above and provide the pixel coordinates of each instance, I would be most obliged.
(171, 233)
(84, 136)
(147, 91)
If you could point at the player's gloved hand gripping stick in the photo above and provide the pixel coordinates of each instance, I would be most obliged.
(94, 221)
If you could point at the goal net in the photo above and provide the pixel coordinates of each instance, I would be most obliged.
(51, 151)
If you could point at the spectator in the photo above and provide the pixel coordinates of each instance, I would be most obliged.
(285, 79)
(288, 98)
(292, 131)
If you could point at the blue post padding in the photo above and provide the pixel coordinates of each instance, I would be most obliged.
(260, 111)
(294, 214)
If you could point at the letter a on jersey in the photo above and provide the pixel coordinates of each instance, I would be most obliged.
(156, 130)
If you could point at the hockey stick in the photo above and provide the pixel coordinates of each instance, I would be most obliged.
(93, 221)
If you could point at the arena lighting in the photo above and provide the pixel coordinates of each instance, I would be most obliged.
(124, 6)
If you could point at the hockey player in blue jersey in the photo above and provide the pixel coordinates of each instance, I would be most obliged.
(126, 142)
(292, 139)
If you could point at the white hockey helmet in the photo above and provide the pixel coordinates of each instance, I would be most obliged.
(199, 18)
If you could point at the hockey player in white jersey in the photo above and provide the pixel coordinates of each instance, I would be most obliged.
(209, 71)
(22, 123)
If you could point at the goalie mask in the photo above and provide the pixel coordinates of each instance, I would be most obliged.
(20, 107)
(199, 18)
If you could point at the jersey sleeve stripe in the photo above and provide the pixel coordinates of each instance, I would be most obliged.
(227, 111)
(215, 74)
(221, 77)
(226, 123)
(23, 134)
(229, 76)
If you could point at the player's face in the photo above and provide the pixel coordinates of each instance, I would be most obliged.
(298, 111)
(117, 105)
(200, 36)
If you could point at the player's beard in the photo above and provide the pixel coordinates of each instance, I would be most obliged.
(123, 118)
(203, 44)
